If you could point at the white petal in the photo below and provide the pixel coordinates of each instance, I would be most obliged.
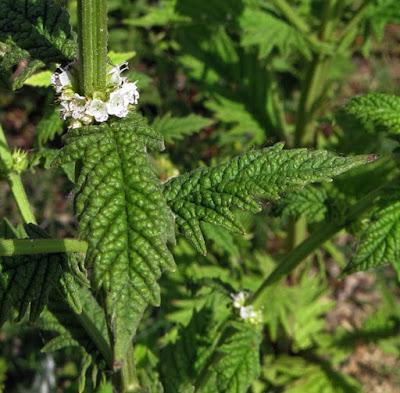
(98, 110)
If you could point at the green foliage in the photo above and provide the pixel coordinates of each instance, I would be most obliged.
(50, 124)
(268, 32)
(39, 27)
(380, 241)
(32, 34)
(296, 375)
(123, 216)
(382, 111)
(27, 281)
(176, 128)
(310, 202)
(210, 194)
(212, 354)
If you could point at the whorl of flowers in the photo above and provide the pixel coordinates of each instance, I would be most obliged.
(80, 110)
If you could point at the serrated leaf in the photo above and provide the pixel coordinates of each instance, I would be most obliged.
(309, 202)
(123, 216)
(210, 194)
(382, 111)
(26, 281)
(176, 128)
(268, 32)
(39, 27)
(380, 243)
(238, 359)
(50, 125)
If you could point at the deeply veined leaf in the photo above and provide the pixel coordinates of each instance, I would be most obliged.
(26, 281)
(86, 331)
(237, 360)
(309, 202)
(176, 128)
(380, 243)
(382, 111)
(210, 194)
(123, 216)
(39, 27)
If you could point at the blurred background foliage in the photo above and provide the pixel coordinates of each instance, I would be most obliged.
(218, 78)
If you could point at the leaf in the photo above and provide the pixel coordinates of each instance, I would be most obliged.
(50, 125)
(210, 194)
(294, 374)
(268, 32)
(26, 281)
(120, 57)
(382, 111)
(14, 68)
(85, 331)
(41, 79)
(380, 243)
(39, 27)
(176, 128)
(309, 202)
(123, 216)
(238, 359)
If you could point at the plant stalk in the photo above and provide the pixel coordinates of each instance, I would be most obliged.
(15, 182)
(11, 247)
(319, 237)
(92, 46)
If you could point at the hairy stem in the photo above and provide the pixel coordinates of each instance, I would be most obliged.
(15, 182)
(319, 237)
(92, 43)
(10, 247)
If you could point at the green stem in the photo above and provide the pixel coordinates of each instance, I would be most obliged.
(314, 82)
(125, 379)
(18, 191)
(352, 25)
(10, 247)
(92, 44)
(15, 182)
(308, 246)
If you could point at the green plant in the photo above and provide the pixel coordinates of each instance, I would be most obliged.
(94, 292)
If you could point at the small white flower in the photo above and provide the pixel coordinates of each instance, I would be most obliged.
(239, 299)
(251, 315)
(77, 106)
(117, 105)
(98, 109)
(130, 92)
(116, 78)
(60, 79)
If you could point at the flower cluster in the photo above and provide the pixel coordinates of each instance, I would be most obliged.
(86, 110)
(247, 313)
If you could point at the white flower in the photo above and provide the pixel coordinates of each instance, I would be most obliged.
(98, 109)
(60, 79)
(130, 92)
(77, 106)
(116, 78)
(239, 299)
(117, 105)
(251, 315)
